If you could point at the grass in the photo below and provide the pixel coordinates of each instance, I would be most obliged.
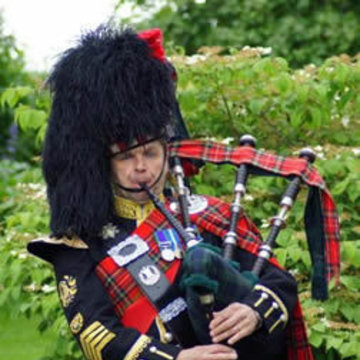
(19, 339)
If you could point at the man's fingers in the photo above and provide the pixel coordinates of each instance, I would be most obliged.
(240, 324)
(245, 331)
(218, 328)
(218, 348)
(221, 352)
(208, 352)
(218, 337)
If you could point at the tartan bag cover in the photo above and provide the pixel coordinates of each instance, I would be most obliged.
(129, 302)
(321, 218)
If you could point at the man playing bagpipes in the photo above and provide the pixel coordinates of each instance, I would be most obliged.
(137, 277)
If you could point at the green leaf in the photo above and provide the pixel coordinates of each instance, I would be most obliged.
(350, 349)
(316, 338)
(351, 282)
(349, 311)
(283, 83)
(319, 327)
(256, 105)
(340, 187)
(297, 117)
(316, 116)
(29, 118)
(333, 342)
(11, 96)
(294, 253)
(341, 73)
(281, 255)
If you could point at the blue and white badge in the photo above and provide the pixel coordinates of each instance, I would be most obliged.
(169, 244)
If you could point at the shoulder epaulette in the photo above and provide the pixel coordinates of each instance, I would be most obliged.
(74, 242)
(45, 247)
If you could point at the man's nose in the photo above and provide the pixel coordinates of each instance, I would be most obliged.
(140, 163)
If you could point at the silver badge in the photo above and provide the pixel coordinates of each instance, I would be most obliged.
(167, 255)
(149, 275)
(197, 204)
(128, 250)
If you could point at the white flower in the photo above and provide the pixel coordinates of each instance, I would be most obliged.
(318, 148)
(321, 155)
(243, 111)
(48, 288)
(23, 256)
(293, 272)
(345, 120)
(265, 50)
(31, 288)
(356, 151)
(211, 138)
(248, 197)
(265, 224)
(34, 186)
(330, 69)
(325, 321)
(227, 140)
(191, 60)
(337, 97)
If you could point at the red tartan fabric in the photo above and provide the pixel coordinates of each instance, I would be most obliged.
(278, 165)
(298, 346)
(121, 288)
(215, 219)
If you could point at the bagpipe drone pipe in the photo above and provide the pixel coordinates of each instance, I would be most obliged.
(321, 223)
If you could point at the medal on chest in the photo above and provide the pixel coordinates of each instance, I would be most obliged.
(169, 244)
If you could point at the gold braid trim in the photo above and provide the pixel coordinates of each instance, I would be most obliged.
(140, 345)
(93, 339)
(129, 209)
(276, 298)
(74, 242)
(162, 330)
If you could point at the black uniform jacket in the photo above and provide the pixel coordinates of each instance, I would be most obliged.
(99, 331)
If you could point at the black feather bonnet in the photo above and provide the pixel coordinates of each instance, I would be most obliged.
(110, 88)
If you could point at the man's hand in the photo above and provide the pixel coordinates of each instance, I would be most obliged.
(208, 352)
(234, 322)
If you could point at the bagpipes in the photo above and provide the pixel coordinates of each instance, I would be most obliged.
(252, 164)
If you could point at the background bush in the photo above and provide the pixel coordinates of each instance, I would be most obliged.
(221, 96)
(14, 143)
(302, 31)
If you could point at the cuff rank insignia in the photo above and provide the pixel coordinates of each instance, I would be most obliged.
(271, 308)
(144, 348)
(93, 340)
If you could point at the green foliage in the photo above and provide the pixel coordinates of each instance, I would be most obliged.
(31, 107)
(27, 284)
(11, 72)
(16, 89)
(224, 96)
(301, 31)
(248, 93)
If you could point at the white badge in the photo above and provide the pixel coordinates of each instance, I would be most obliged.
(149, 275)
